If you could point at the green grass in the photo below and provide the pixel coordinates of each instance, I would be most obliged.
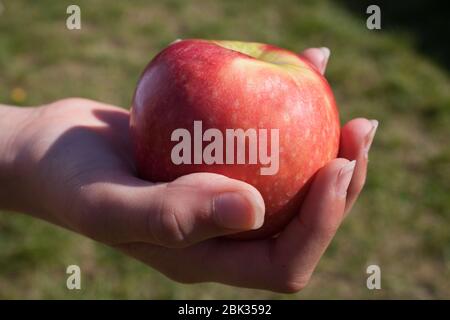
(402, 219)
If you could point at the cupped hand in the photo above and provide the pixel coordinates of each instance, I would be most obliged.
(75, 166)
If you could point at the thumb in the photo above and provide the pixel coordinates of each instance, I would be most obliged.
(199, 206)
(185, 211)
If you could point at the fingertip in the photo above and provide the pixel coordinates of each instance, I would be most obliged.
(356, 137)
(326, 52)
(353, 135)
(254, 200)
(369, 138)
(374, 123)
(325, 57)
(318, 57)
(258, 205)
(240, 203)
(333, 167)
(232, 210)
(330, 187)
(332, 180)
(358, 126)
(344, 178)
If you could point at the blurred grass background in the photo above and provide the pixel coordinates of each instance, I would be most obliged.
(398, 75)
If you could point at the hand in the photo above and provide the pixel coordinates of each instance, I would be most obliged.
(71, 164)
(284, 264)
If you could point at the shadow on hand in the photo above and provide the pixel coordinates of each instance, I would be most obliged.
(87, 154)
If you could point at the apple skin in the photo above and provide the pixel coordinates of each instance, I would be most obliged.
(228, 84)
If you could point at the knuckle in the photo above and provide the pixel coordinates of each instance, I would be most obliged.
(168, 230)
(171, 229)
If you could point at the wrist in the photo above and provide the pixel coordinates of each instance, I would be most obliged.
(13, 125)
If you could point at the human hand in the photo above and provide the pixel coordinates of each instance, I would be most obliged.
(70, 164)
(285, 263)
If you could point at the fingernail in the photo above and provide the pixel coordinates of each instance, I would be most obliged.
(369, 138)
(175, 41)
(233, 210)
(326, 56)
(344, 177)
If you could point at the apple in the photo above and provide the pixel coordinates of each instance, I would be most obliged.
(196, 92)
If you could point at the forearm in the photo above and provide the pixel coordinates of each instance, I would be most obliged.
(13, 122)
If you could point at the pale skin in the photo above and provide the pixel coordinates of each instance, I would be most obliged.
(70, 163)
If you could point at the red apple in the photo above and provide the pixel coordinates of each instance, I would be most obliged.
(231, 85)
